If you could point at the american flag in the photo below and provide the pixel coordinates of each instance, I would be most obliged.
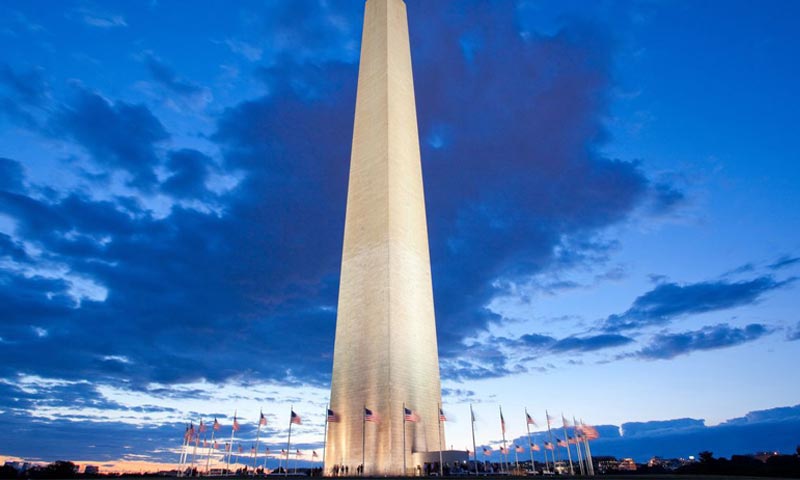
(216, 425)
(442, 418)
(332, 416)
(263, 420)
(487, 451)
(589, 432)
(535, 447)
(202, 427)
(283, 451)
(314, 454)
(530, 419)
(519, 449)
(235, 423)
(205, 443)
(548, 446)
(409, 415)
(564, 421)
(369, 416)
(215, 445)
(240, 448)
(295, 418)
(549, 419)
(252, 449)
(560, 442)
(299, 453)
(502, 422)
(504, 450)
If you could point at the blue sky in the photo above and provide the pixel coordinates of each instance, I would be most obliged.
(611, 195)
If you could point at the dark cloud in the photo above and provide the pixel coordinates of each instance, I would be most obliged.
(12, 249)
(794, 333)
(165, 76)
(590, 344)
(669, 345)
(783, 262)
(29, 88)
(660, 427)
(671, 300)
(21, 93)
(118, 135)
(11, 175)
(515, 185)
(190, 170)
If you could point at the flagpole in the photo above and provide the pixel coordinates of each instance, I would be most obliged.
(230, 451)
(183, 451)
(266, 456)
(505, 449)
(578, 445)
(296, 459)
(550, 432)
(325, 439)
(280, 462)
(405, 471)
(516, 458)
(566, 439)
(289, 443)
(364, 438)
(439, 416)
(590, 462)
(258, 437)
(194, 450)
(474, 450)
(530, 443)
(208, 454)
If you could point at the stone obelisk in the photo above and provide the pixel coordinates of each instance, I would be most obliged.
(385, 355)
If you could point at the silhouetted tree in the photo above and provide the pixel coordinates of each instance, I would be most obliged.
(706, 456)
(7, 471)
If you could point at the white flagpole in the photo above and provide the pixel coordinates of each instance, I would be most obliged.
(474, 450)
(289, 443)
(439, 417)
(505, 449)
(589, 461)
(194, 450)
(258, 437)
(325, 439)
(530, 443)
(578, 445)
(363, 438)
(230, 450)
(405, 471)
(566, 439)
(266, 456)
(550, 432)
(183, 451)
(208, 454)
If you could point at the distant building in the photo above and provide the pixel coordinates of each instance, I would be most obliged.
(764, 456)
(627, 465)
(91, 470)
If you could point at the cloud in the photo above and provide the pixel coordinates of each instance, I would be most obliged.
(162, 73)
(190, 170)
(590, 344)
(668, 301)
(22, 94)
(11, 175)
(215, 295)
(99, 19)
(783, 262)
(118, 135)
(670, 345)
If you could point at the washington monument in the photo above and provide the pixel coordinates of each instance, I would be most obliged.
(385, 355)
